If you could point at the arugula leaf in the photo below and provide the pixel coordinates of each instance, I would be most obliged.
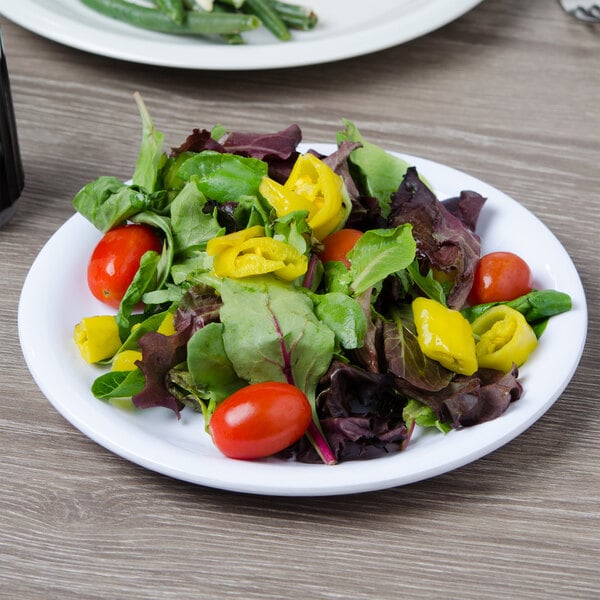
(150, 157)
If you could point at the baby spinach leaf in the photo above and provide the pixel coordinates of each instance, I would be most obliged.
(379, 253)
(192, 227)
(224, 177)
(344, 316)
(536, 306)
(107, 202)
(292, 229)
(427, 284)
(210, 366)
(337, 277)
(152, 323)
(168, 294)
(145, 279)
(166, 257)
(118, 384)
(192, 265)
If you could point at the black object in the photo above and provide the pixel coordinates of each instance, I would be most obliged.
(12, 178)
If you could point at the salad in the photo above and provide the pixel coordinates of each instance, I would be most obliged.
(314, 308)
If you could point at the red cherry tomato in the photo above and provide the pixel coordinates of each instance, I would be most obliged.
(259, 420)
(116, 259)
(337, 245)
(499, 277)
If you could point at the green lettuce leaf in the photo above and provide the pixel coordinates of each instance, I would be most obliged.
(379, 253)
(379, 172)
(271, 333)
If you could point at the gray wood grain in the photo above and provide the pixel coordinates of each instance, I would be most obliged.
(508, 93)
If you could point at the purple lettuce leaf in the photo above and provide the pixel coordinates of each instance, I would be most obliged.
(406, 361)
(444, 243)
(160, 353)
(264, 146)
(470, 400)
(196, 309)
(197, 141)
(360, 414)
(277, 149)
(338, 163)
(225, 213)
(466, 207)
(368, 355)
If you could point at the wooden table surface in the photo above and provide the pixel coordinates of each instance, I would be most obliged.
(508, 93)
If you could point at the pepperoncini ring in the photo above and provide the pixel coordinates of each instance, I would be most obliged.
(445, 335)
(239, 254)
(504, 337)
(313, 187)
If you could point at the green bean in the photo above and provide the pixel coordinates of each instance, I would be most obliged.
(230, 38)
(234, 3)
(269, 17)
(195, 23)
(173, 8)
(295, 15)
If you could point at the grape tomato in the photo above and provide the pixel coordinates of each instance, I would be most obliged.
(116, 259)
(259, 420)
(337, 245)
(500, 277)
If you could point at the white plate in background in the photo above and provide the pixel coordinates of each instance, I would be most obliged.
(346, 28)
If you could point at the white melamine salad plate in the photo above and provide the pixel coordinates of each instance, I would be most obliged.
(346, 28)
(55, 298)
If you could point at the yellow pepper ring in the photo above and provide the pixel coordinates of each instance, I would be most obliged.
(444, 335)
(313, 178)
(217, 244)
(237, 255)
(283, 200)
(505, 337)
(314, 187)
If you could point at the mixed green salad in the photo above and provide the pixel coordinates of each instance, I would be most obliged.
(341, 276)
